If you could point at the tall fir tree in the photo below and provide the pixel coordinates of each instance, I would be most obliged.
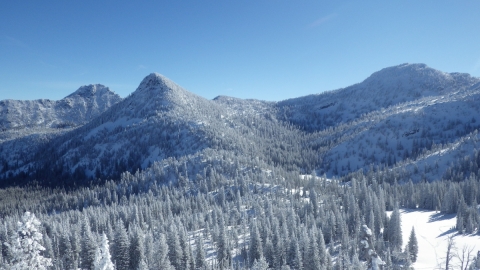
(412, 245)
(294, 255)
(175, 251)
(312, 261)
(25, 245)
(161, 257)
(395, 230)
(66, 252)
(224, 258)
(137, 250)
(200, 254)
(121, 249)
(256, 249)
(88, 245)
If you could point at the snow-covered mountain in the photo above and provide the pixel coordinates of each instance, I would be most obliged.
(411, 118)
(383, 89)
(396, 118)
(23, 117)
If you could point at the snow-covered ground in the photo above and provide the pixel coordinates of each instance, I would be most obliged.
(432, 230)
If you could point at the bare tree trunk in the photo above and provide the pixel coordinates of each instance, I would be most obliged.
(450, 252)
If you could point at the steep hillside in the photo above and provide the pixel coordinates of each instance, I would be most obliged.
(405, 134)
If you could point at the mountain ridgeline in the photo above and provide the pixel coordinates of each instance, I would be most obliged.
(408, 121)
(74, 110)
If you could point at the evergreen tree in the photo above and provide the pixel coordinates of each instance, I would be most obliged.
(260, 264)
(103, 259)
(256, 250)
(224, 257)
(88, 247)
(137, 251)
(121, 249)
(322, 250)
(66, 252)
(47, 243)
(388, 259)
(269, 252)
(149, 248)
(161, 256)
(408, 259)
(294, 255)
(187, 261)
(412, 245)
(175, 252)
(25, 245)
(200, 254)
(76, 247)
(395, 230)
(313, 261)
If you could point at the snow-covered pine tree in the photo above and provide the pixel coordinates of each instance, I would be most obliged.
(121, 247)
(294, 255)
(412, 245)
(322, 250)
(312, 261)
(137, 251)
(175, 251)
(149, 248)
(103, 260)
(224, 257)
(160, 255)
(200, 254)
(89, 246)
(256, 250)
(25, 245)
(75, 241)
(395, 230)
(260, 264)
(187, 261)
(269, 252)
(66, 251)
(408, 259)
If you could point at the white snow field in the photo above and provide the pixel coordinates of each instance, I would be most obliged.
(432, 230)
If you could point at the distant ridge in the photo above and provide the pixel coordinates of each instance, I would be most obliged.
(76, 109)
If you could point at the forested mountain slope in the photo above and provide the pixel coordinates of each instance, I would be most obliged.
(161, 120)
(399, 117)
(383, 89)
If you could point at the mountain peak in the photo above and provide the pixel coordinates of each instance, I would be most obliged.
(161, 90)
(158, 93)
(408, 72)
(418, 78)
(91, 90)
(75, 109)
(155, 81)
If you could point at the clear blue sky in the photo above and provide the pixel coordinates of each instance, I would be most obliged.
(270, 50)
